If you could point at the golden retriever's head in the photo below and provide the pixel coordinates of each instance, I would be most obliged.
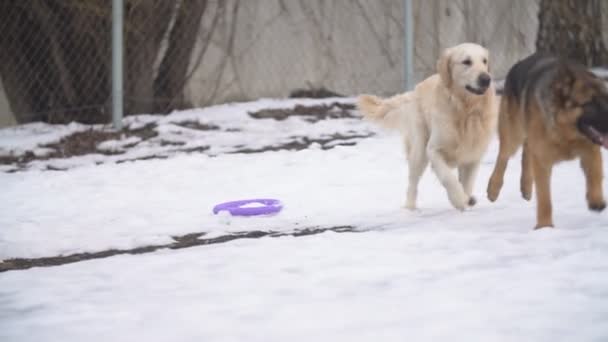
(465, 67)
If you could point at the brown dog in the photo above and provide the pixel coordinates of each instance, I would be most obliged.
(559, 111)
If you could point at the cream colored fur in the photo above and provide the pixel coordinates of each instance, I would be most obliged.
(442, 122)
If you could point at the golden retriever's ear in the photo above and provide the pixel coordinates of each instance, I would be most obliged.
(488, 64)
(444, 67)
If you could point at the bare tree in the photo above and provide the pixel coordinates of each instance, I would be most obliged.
(572, 29)
(55, 56)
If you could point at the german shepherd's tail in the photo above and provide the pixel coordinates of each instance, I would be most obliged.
(386, 112)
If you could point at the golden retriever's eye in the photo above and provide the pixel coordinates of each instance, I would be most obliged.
(467, 62)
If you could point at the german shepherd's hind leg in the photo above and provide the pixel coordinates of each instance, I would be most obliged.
(466, 176)
(542, 181)
(527, 176)
(591, 163)
(511, 136)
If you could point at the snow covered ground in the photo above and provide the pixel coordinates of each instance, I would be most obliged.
(449, 281)
(430, 275)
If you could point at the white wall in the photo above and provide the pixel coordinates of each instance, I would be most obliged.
(349, 46)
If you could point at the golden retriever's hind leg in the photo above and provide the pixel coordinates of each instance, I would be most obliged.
(417, 163)
(527, 177)
(542, 181)
(591, 162)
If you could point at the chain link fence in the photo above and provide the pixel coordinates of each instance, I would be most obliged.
(54, 59)
(55, 55)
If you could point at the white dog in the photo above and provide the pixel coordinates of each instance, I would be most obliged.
(448, 119)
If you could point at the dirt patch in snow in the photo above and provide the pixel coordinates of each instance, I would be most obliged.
(301, 143)
(197, 126)
(82, 143)
(114, 143)
(311, 114)
(182, 241)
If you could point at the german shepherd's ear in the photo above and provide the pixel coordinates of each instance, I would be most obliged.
(563, 84)
(575, 85)
(444, 67)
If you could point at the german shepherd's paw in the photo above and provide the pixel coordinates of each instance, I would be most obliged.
(543, 225)
(526, 194)
(597, 206)
(494, 187)
(526, 189)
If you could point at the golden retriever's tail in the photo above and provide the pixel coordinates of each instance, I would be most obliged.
(383, 111)
(371, 106)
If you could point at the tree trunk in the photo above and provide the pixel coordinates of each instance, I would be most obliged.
(146, 22)
(172, 73)
(572, 29)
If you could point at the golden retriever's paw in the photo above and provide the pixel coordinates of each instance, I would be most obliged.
(472, 201)
(543, 225)
(597, 206)
(409, 205)
(459, 201)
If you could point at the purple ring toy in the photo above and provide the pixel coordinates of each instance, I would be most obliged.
(239, 208)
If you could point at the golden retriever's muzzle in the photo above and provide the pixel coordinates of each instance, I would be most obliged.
(483, 83)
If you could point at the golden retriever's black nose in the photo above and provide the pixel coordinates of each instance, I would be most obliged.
(484, 80)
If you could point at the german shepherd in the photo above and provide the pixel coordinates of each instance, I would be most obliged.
(558, 110)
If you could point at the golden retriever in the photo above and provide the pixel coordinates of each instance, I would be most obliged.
(448, 119)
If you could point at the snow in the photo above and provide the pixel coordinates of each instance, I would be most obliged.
(127, 205)
(428, 283)
(18, 139)
(236, 129)
(434, 274)
(600, 72)
(97, 207)
(253, 205)
(118, 145)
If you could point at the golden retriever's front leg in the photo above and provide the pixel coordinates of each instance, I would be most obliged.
(591, 162)
(542, 180)
(417, 163)
(448, 179)
(466, 175)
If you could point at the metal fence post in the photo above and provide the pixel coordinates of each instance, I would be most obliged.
(408, 46)
(117, 63)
